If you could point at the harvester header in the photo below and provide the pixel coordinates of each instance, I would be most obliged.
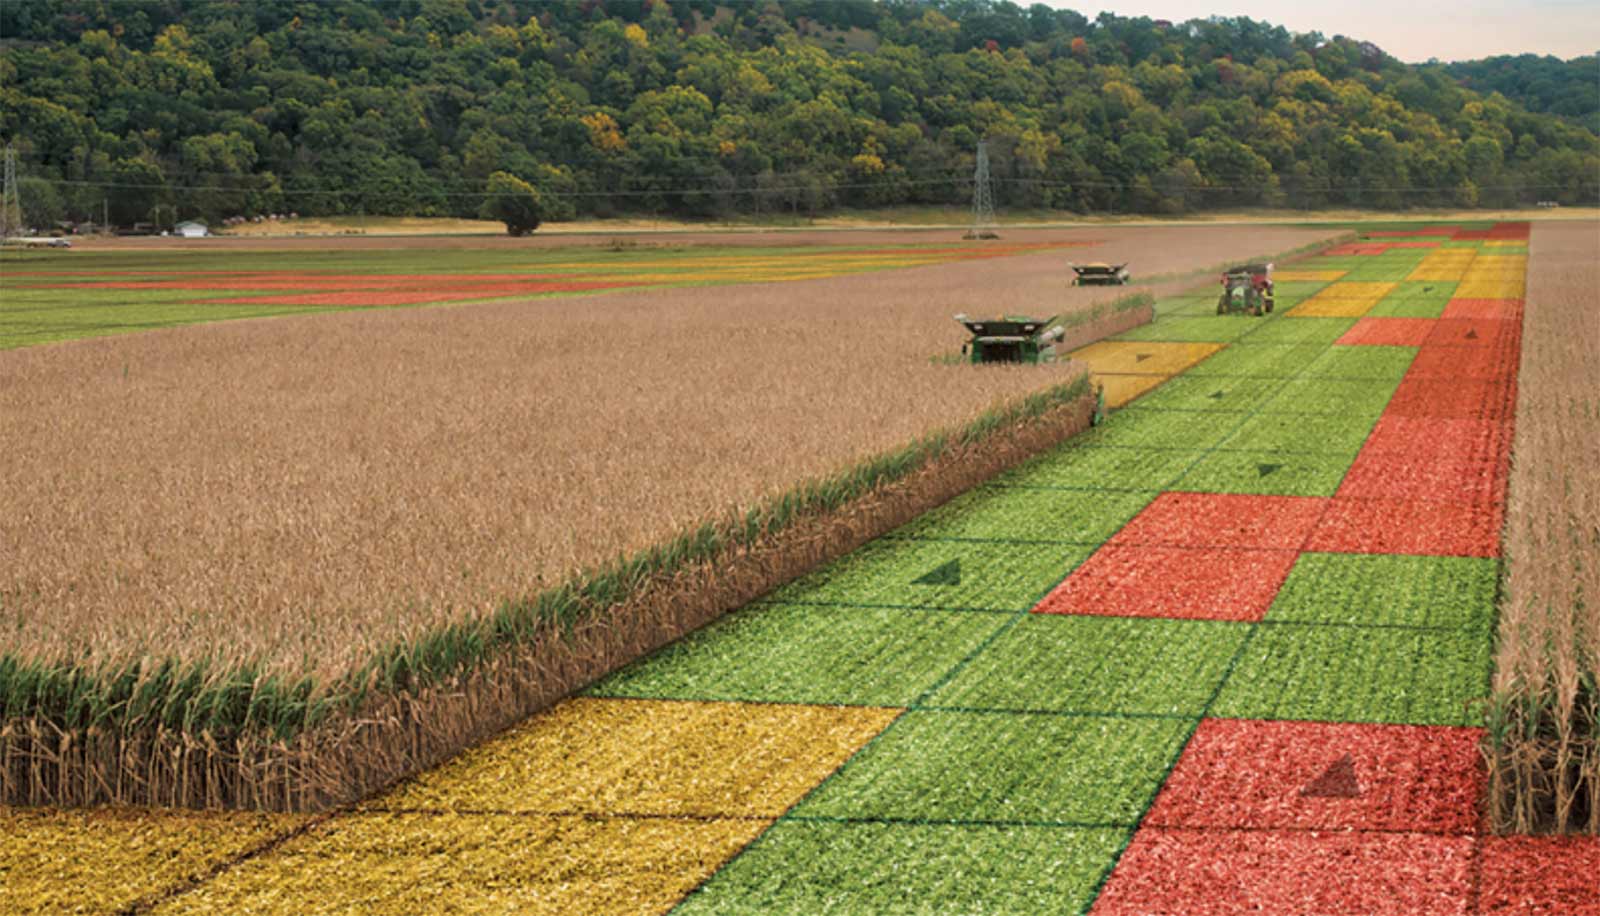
(1099, 274)
(1012, 339)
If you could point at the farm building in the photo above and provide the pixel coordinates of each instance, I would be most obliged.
(191, 229)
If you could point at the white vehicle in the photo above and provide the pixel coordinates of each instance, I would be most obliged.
(39, 242)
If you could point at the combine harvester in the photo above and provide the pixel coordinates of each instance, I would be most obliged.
(1246, 289)
(1100, 274)
(1012, 339)
(1018, 339)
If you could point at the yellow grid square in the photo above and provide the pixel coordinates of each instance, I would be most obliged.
(1121, 389)
(1509, 286)
(1142, 357)
(1446, 265)
(658, 757)
(105, 860)
(1325, 276)
(1343, 300)
(408, 863)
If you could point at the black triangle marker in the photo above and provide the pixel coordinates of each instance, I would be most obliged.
(947, 574)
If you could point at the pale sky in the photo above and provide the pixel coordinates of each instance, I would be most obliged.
(1412, 30)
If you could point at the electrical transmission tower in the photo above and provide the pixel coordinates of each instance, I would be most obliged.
(982, 198)
(10, 198)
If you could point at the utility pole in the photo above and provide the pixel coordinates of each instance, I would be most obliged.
(10, 197)
(982, 198)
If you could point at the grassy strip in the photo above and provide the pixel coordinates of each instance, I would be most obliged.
(1106, 309)
(143, 699)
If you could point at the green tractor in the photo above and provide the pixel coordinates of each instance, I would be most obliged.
(1246, 289)
(1012, 339)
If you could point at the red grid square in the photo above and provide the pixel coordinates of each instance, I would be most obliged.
(1438, 475)
(1466, 235)
(1205, 584)
(1500, 309)
(1244, 774)
(1519, 229)
(1387, 332)
(1482, 363)
(1197, 873)
(1463, 438)
(1429, 396)
(1540, 874)
(1474, 332)
(1223, 520)
(1410, 526)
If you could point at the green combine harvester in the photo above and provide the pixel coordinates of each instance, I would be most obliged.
(1100, 274)
(1012, 339)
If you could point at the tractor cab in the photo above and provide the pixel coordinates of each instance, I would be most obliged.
(1246, 289)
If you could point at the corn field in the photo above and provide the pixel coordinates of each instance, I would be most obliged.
(1544, 714)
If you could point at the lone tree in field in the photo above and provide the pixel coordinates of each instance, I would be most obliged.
(514, 202)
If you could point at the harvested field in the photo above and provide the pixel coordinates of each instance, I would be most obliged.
(286, 501)
(1544, 737)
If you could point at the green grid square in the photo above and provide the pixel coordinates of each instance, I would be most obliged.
(1409, 308)
(1216, 394)
(1422, 291)
(1331, 433)
(809, 867)
(1263, 361)
(1289, 329)
(1363, 362)
(1093, 468)
(999, 513)
(1266, 473)
(1201, 309)
(1088, 663)
(1211, 328)
(1359, 674)
(1380, 273)
(808, 654)
(885, 573)
(1360, 400)
(1385, 589)
(1140, 427)
(936, 765)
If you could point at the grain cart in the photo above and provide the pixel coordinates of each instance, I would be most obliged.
(1246, 288)
(1012, 339)
(1100, 274)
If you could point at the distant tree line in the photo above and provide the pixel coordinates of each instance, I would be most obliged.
(172, 108)
(1569, 88)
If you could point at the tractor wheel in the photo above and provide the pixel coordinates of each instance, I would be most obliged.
(1269, 305)
(1222, 307)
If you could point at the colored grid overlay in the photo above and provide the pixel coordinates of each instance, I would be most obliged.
(1219, 653)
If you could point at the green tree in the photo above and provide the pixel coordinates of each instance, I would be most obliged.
(513, 202)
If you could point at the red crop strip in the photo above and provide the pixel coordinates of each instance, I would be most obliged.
(1175, 582)
(1540, 874)
(1410, 526)
(1222, 520)
(1503, 309)
(1204, 872)
(1387, 332)
(1240, 773)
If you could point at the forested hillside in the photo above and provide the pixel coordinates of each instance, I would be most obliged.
(1570, 88)
(227, 107)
